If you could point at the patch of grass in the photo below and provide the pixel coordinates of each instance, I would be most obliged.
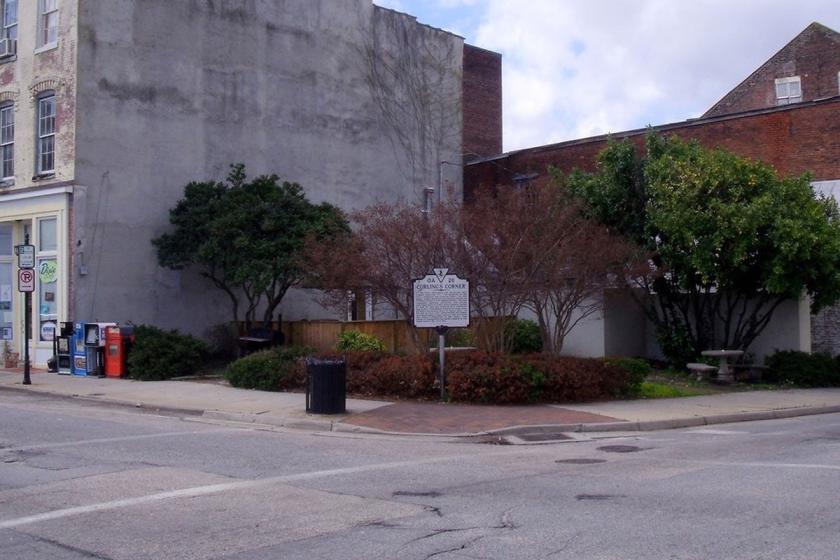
(656, 390)
(667, 384)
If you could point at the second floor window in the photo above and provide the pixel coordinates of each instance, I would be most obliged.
(7, 142)
(10, 19)
(46, 135)
(788, 90)
(47, 22)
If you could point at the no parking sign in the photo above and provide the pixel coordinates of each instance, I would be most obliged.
(26, 280)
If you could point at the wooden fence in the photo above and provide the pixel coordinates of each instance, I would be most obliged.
(323, 335)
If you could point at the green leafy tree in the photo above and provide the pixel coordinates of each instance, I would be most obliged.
(728, 239)
(248, 238)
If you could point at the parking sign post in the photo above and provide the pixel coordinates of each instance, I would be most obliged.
(26, 284)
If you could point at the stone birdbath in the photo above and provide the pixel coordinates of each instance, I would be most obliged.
(725, 374)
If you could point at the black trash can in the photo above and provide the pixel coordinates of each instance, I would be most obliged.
(326, 386)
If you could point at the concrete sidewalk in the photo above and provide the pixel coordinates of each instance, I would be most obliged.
(187, 397)
(213, 400)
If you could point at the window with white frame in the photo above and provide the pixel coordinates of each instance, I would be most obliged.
(45, 146)
(10, 19)
(47, 263)
(47, 23)
(7, 142)
(788, 90)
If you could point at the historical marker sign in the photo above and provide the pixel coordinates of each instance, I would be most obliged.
(441, 300)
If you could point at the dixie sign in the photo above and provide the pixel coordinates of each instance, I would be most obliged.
(441, 300)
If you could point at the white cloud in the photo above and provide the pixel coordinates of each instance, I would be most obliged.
(575, 68)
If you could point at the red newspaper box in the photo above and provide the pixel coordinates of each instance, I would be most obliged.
(114, 352)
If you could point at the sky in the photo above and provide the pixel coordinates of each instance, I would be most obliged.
(578, 68)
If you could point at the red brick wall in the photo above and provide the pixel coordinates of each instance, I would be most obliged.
(482, 94)
(813, 55)
(793, 139)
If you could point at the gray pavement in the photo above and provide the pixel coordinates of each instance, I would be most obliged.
(80, 480)
(216, 401)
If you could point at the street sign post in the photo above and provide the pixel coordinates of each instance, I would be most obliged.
(26, 285)
(441, 302)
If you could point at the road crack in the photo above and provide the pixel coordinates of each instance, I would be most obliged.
(457, 548)
(83, 552)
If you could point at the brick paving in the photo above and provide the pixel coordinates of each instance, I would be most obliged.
(444, 418)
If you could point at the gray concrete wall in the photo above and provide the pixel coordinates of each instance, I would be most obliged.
(624, 324)
(170, 92)
(789, 329)
(585, 339)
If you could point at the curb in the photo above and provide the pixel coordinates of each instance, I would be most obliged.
(672, 423)
(312, 425)
(115, 402)
(338, 425)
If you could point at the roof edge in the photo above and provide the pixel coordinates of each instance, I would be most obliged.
(661, 128)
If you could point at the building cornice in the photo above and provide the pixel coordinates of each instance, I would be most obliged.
(35, 192)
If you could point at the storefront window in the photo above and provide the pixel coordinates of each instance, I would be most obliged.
(47, 270)
(47, 235)
(6, 245)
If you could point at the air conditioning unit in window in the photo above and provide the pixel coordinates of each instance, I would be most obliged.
(7, 47)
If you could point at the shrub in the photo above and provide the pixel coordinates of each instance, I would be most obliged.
(803, 369)
(223, 340)
(459, 338)
(486, 377)
(637, 370)
(537, 381)
(356, 341)
(525, 336)
(497, 378)
(277, 369)
(391, 375)
(158, 354)
(570, 379)
(379, 374)
(676, 346)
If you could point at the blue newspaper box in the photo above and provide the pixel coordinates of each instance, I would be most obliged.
(78, 351)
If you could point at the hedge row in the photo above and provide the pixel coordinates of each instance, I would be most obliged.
(277, 369)
(475, 376)
(503, 379)
(803, 369)
(158, 354)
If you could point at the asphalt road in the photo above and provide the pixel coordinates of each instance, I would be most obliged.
(80, 481)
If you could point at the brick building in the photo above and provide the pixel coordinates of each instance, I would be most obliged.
(806, 69)
(787, 114)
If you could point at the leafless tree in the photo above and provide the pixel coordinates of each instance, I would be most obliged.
(519, 249)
